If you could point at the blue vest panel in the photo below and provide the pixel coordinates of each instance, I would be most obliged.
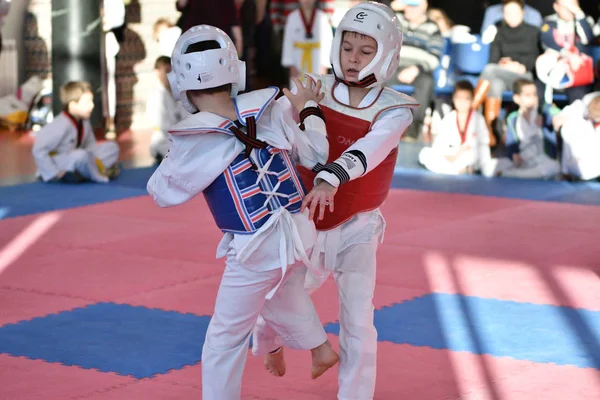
(242, 198)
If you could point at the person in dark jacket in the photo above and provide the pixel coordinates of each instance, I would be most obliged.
(512, 56)
(219, 13)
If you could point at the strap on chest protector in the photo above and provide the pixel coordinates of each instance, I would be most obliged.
(249, 139)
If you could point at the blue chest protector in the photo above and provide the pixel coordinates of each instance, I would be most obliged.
(242, 198)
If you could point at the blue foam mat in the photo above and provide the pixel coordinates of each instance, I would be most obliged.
(134, 178)
(37, 197)
(109, 337)
(142, 342)
(525, 189)
(40, 197)
(523, 331)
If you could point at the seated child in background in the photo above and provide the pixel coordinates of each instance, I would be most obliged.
(525, 134)
(67, 148)
(581, 141)
(166, 34)
(162, 110)
(14, 108)
(462, 144)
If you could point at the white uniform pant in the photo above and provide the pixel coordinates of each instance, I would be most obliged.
(83, 161)
(240, 300)
(580, 158)
(159, 144)
(435, 161)
(542, 167)
(354, 273)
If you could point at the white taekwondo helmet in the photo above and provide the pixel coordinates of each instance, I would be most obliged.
(205, 69)
(379, 22)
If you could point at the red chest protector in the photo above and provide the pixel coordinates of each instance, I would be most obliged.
(343, 130)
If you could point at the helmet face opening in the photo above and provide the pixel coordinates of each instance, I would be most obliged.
(380, 23)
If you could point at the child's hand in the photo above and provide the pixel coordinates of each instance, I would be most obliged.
(321, 195)
(305, 93)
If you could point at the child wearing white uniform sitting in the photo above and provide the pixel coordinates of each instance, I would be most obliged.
(462, 144)
(67, 148)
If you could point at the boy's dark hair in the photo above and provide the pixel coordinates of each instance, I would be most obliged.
(72, 91)
(161, 61)
(520, 3)
(465, 86)
(203, 46)
(520, 84)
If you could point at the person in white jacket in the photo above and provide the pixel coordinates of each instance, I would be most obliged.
(66, 149)
(306, 41)
(462, 144)
(581, 139)
(113, 16)
(240, 151)
(162, 110)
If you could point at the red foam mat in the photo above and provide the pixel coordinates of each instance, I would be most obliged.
(132, 252)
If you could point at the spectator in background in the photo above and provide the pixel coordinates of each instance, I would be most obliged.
(280, 9)
(306, 41)
(247, 14)
(66, 149)
(419, 57)
(166, 34)
(564, 37)
(4, 8)
(162, 110)
(442, 20)
(581, 139)
(113, 16)
(218, 13)
(527, 130)
(512, 56)
(495, 14)
(461, 145)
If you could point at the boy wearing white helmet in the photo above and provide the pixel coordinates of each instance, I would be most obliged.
(365, 122)
(240, 152)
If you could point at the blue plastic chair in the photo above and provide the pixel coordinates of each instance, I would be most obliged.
(444, 73)
(470, 58)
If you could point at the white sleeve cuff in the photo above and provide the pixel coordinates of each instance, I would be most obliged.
(349, 166)
(327, 177)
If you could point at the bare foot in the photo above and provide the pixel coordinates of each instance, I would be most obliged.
(323, 358)
(275, 363)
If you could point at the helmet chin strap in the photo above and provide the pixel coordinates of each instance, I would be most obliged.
(363, 83)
